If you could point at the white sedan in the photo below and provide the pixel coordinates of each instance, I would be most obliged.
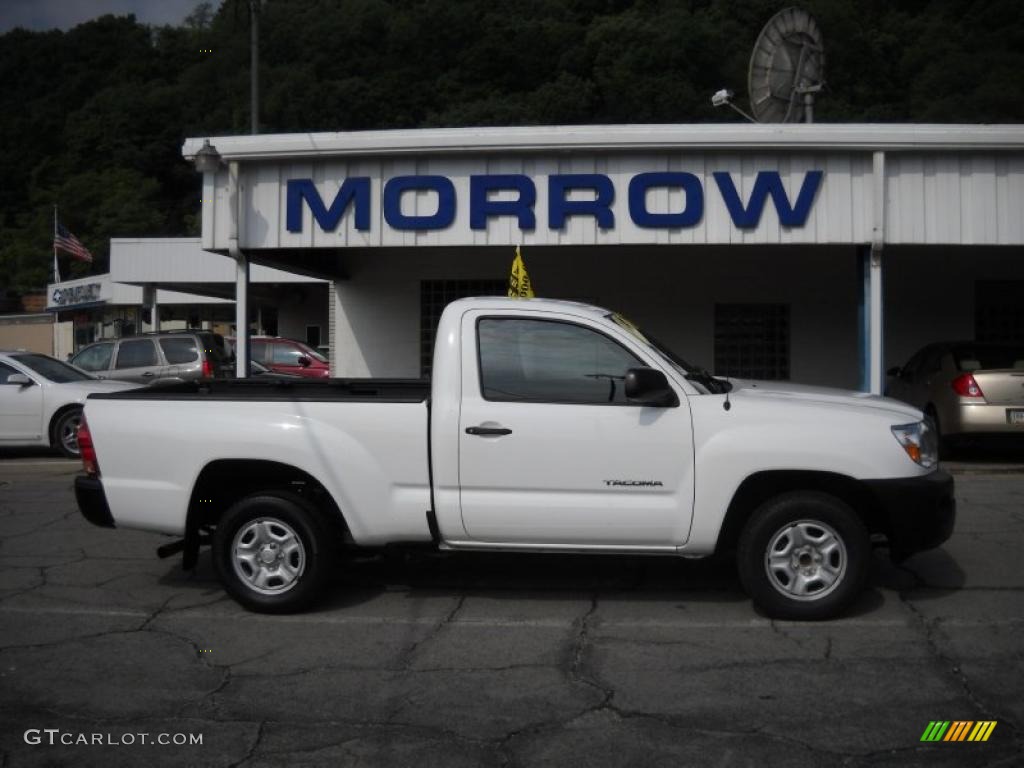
(41, 400)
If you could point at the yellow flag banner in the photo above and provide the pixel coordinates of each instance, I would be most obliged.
(519, 286)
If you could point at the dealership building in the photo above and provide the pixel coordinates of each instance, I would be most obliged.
(817, 253)
(171, 283)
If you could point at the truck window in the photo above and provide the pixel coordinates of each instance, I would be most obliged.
(550, 361)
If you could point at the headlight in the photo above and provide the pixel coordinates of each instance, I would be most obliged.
(919, 441)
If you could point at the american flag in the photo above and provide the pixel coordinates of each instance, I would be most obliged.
(68, 243)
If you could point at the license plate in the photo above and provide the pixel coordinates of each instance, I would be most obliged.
(1015, 416)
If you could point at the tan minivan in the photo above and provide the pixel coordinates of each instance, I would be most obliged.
(967, 387)
(173, 356)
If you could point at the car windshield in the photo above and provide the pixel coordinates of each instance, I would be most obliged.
(54, 370)
(690, 371)
(980, 357)
(308, 350)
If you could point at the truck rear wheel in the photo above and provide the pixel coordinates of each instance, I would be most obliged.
(272, 552)
(804, 555)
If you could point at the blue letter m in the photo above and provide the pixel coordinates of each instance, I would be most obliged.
(768, 183)
(355, 190)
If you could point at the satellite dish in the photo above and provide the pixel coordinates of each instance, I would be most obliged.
(787, 68)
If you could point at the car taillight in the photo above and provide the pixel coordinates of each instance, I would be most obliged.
(87, 450)
(965, 385)
(207, 369)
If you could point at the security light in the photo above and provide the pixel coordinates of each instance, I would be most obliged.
(207, 159)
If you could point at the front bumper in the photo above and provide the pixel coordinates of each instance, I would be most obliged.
(917, 513)
(92, 501)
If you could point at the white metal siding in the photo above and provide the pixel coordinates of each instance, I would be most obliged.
(171, 260)
(839, 213)
(961, 199)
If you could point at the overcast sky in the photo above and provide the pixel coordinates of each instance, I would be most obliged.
(63, 14)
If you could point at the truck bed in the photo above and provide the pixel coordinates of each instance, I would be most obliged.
(262, 388)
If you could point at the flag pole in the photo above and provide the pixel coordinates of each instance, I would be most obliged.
(56, 267)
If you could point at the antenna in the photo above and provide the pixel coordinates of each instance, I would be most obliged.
(787, 68)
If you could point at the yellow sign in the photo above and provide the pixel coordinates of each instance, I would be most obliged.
(519, 286)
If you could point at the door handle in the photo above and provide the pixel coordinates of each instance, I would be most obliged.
(485, 431)
(147, 374)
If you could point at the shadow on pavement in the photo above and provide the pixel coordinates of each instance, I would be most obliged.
(425, 573)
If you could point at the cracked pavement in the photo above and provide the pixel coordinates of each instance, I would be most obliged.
(429, 659)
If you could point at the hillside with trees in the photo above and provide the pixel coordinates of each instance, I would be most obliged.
(93, 119)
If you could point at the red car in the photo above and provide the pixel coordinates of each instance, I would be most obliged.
(287, 356)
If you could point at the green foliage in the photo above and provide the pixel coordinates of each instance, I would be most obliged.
(93, 119)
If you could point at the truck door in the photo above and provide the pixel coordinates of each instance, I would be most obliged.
(550, 451)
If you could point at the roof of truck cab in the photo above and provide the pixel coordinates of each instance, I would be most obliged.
(546, 305)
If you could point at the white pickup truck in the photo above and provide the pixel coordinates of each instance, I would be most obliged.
(548, 426)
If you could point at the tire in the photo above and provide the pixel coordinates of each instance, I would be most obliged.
(64, 433)
(821, 562)
(273, 552)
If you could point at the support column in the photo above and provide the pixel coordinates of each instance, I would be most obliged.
(873, 282)
(156, 311)
(150, 301)
(242, 316)
(874, 290)
(863, 318)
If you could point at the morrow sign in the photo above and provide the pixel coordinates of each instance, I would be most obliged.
(515, 196)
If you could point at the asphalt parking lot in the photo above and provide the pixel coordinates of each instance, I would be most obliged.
(427, 659)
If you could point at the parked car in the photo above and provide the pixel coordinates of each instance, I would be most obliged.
(966, 387)
(176, 355)
(548, 426)
(259, 369)
(287, 356)
(41, 400)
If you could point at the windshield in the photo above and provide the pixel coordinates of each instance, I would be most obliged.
(313, 353)
(54, 370)
(687, 369)
(628, 326)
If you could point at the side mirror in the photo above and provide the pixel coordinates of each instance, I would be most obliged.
(894, 371)
(648, 386)
(304, 361)
(20, 379)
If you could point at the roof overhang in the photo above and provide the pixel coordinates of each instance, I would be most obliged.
(602, 138)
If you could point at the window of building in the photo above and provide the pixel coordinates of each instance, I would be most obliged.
(752, 341)
(999, 311)
(550, 361)
(435, 295)
(136, 354)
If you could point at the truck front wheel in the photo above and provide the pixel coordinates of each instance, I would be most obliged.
(803, 555)
(272, 552)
